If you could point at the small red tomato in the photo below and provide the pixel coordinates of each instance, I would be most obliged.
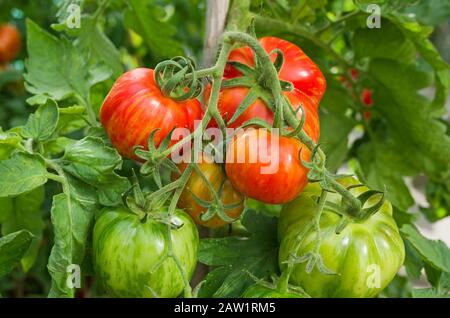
(366, 97)
(297, 68)
(231, 98)
(265, 166)
(354, 73)
(135, 107)
(10, 43)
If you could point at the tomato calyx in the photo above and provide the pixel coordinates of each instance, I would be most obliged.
(134, 199)
(177, 78)
(215, 206)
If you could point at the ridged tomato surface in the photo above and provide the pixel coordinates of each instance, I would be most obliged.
(297, 68)
(265, 166)
(231, 98)
(135, 107)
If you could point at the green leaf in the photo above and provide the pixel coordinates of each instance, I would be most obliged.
(71, 119)
(435, 253)
(156, 33)
(235, 257)
(41, 125)
(12, 248)
(417, 130)
(429, 293)
(386, 42)
(413, 261)
(21, 173)
(54, 67)
(91, 161)
(24, 212)
(378, 161)
(72, 217)
(9, 141)
(335, 125)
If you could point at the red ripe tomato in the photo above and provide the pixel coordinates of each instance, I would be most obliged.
(231, 98)
(297, 68)
(265, 166)
(10, 43)
(366, 97)
(135, 107)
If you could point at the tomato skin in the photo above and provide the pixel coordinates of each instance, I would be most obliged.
(231, 98)
(279, 185)
(213, 172)
(127, 252)
(135, 107)
(259, 291)
(297, 68)
(10, 43)
(353, 254)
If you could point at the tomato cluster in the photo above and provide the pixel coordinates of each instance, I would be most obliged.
(131, 251)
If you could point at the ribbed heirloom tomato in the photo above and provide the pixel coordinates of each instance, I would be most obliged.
(266, 166)
(231, 98)
(9, 43)
(131, 255)
(135, 107)
(297, 68)
(366, 255)
(196, 186)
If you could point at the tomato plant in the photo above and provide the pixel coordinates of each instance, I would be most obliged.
(322, 128)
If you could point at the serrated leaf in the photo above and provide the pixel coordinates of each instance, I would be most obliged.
(238, 256)
(72, 215)
(435, 253)
(21, 173)
(386, 42)
(12, 248)
(24, 213)
(409, 115)
(9, 141)
(91, 161)
(54, 67)
(157, 34)
(41, 125)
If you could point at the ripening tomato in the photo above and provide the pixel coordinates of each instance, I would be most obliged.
(265, 166)
(231, 98)
(366, 97)
(130, 254)
(297, 68)
(10, 43)
(196, 185)
(135, 107)
(366, 254)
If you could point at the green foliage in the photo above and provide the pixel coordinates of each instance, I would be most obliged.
(235, 258)
(57, 168)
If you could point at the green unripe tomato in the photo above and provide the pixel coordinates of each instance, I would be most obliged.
(130, 256)
(366, 255)
(260, 291)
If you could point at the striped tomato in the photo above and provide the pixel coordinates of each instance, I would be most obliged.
(297, 68)
(135, 107)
